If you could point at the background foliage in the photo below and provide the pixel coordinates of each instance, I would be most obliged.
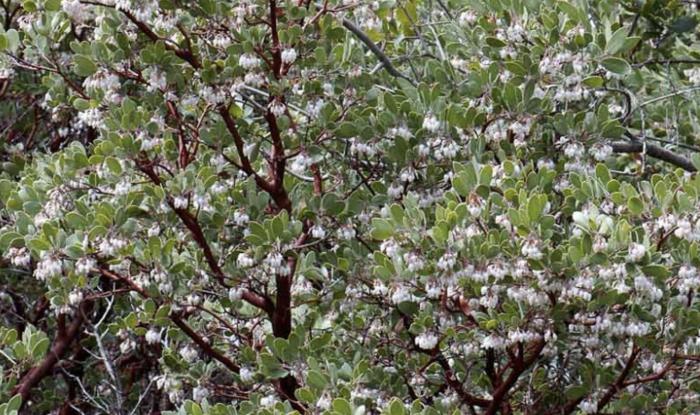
(403, 206)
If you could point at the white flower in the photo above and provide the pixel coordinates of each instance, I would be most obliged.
(246, 374)
(248, 61)
(531, 248)
(152, 336)
(492, 342)
(433, 291)
(395, 191)
(188, 353)
(318, 232)
(92, 117)
(600, 244)
(588, 406)
(111, 246)
(346, 232)
(244, 260)
(165, 287)
(427, 341)
(75, 297)
(126, 346)
(400, 295)
(240, 218)
(601, 151)
(274, 260)
(199, 393)
(379, 289)
(687, 271)
(77, 11)
(636, 252)
(19, 257)
(179, 202)
(467, 18)
(84, 265)
(431, 123)
(193, 299)
(574, 150)
(475, 205)
(684, 229)
(268, 400)
(221, 41)
(289, 55)
(235, 294)
(413, 261)
(49, 266)
(154, 230)
(277, 108)
(693, 75)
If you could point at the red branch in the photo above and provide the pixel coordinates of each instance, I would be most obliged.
(204, 345)
(63, 340)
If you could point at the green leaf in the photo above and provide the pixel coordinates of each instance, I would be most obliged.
(83, 66)
(683, 24)
(495, 42)
(535, 207)
(342, 406)
(346, 130)
(461, 185)
(594, 81)
(656, 270)
(635, 205)
(7, 238)
(616, 65)
(396, 407)
(603, 173)
(12, 40)
(485, 175)
(113, 165)
(316, 380)
(695, 158)
(52, 5)
(381, 229)
(616, 41)
(14, 404)
(305, 395)
(40, 348)
(76, 220)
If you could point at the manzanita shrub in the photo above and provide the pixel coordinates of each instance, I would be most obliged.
(349, 207)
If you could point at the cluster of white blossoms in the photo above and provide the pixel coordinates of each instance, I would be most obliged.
(19, 257)
(106, 82)
(188, 353)
(244, 260)
(49, 265)
(76, 10)
(142, 10)
(426, 341)
(171, 385)
(248, 61)
(92, 117)
(693, 75)
(289, 55)
(636, 252)
(688, 280)
(431, 123)
(84, 265)
(275, 264)
(467, 18)
(110, 246)
(152, 336)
